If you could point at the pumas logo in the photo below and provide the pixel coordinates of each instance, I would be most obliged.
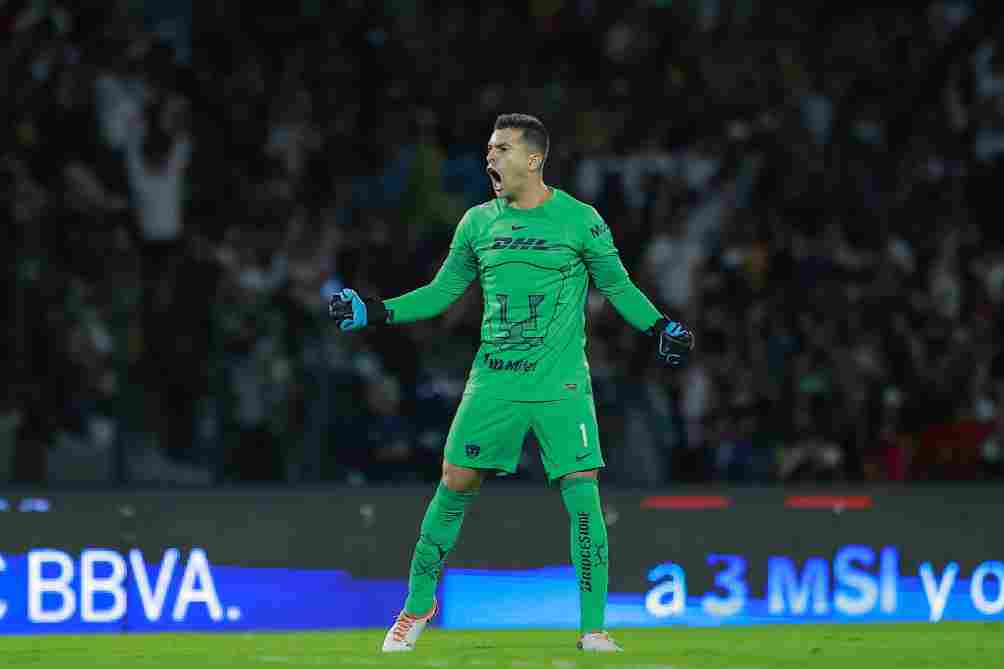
(473, 450)
(519, 244)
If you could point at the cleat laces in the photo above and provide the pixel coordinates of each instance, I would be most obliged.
(402, 626)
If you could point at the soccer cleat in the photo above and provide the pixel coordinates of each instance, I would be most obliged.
(599, 642)
(404, 632)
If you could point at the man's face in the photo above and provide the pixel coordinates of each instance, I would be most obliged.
(510, 161)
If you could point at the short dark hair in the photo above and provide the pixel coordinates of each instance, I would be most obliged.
(534, 132)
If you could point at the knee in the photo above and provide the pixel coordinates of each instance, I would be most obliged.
(461, 479)
(587, 474)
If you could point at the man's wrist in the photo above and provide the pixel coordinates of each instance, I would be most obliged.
(657, 327)
(376, 312)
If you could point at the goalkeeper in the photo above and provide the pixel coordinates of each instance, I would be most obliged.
(533, 249)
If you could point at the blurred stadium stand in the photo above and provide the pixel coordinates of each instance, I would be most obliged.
(813, 187)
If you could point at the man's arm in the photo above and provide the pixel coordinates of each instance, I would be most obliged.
(608, 273)
(456, 273)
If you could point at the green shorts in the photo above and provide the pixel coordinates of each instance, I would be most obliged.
(488, 433)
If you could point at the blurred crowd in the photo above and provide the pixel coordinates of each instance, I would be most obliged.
(810, 188)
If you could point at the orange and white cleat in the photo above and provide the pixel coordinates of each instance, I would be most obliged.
(598, 642)
(403, 634)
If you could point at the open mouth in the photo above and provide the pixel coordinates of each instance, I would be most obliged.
(496, 178)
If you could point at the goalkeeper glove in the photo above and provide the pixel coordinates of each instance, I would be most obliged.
(675, 342)
(352, 312)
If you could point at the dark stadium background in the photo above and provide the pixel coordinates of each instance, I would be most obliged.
(812, 187)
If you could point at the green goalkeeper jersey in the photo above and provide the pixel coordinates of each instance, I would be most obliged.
(534, 267)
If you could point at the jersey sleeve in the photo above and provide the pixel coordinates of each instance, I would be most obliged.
(611, 278)
(456, 273)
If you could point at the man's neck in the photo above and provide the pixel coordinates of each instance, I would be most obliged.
(534, 196)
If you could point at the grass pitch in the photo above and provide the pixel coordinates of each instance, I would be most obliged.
(873, 646)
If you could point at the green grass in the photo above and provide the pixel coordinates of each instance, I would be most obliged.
(909, 646)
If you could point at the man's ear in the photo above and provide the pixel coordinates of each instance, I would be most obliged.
(535, 162)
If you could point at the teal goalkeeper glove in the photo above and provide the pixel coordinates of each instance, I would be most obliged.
(675, 342)
(352, 312)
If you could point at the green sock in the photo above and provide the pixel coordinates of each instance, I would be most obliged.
(440, 529)
(589, 548)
